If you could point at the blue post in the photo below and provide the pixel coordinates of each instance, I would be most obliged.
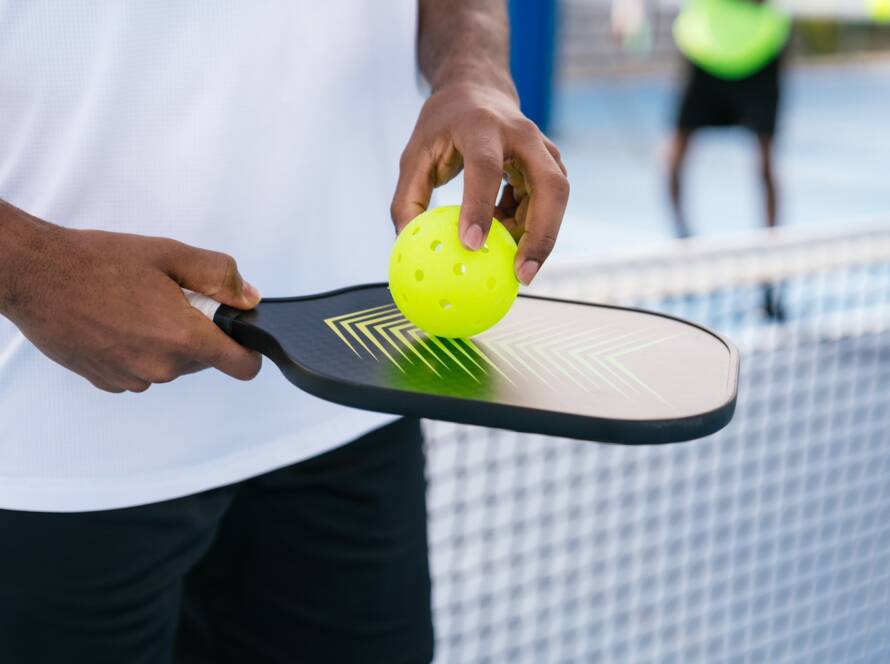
(532, 55)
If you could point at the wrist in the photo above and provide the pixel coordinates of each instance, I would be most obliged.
(471, 72)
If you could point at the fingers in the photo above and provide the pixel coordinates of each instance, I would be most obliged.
(556, 154)
(193, 345)
(208, 272)
(548, 190)
(204, 340)
(507, 212)
(515, 179)
(104, 385)
(118, 382)
(133, 384)
(207, 345)
(415, 187)
(483, 171)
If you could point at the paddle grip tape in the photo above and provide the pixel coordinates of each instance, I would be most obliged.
(202, 303)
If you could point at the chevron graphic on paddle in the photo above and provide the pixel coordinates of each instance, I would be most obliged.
(541, 350)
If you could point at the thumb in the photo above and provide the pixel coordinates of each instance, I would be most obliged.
(210, 273)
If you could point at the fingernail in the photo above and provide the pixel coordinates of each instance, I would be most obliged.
(528, 270)
(250, 292)
(473, 237)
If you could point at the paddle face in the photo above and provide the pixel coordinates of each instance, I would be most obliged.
(551, 366)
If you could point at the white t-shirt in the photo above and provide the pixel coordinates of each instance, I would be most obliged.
(267, 130)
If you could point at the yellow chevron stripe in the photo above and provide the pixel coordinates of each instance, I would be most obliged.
(585, 357)
(525, 341)
(567, 369)
(445, 350)
(419, 338)
(383, 330)
(611, 344)
(535, 354)
(499, 345)
(478, 351)
(633, 376)
(577, 349)
(337, 331)
(401, 337)
(514, 330)
(603, 376)
(454, 342)
(578, 339)
(613, 359)
(363, 328)
(357, 316)
(634, 349)
(497, 348)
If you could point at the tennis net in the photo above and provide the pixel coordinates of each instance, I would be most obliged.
(766, 542)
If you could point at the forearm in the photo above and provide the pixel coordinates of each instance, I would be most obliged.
(465, 41)
(21, 237)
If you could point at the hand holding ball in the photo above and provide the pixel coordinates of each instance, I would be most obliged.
(444, 288)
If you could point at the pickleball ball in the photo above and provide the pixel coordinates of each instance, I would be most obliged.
(445, 289)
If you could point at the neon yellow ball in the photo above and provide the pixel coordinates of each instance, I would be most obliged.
(445, 289)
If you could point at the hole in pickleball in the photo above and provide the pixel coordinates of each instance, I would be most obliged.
(419, 275)
(491, 283)
(485, 248)
(415, 231)
(399, 259)
(436, 246)
(460, 269)
(445, 304)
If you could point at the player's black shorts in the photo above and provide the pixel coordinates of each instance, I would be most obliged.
(751, 102)
(323, 561)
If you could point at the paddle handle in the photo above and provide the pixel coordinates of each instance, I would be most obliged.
(206, 305)
(225, 317)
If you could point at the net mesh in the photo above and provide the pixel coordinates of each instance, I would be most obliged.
(766, 542)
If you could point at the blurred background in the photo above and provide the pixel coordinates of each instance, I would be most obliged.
(769, 541)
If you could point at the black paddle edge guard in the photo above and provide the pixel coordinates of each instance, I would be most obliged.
(485, 414)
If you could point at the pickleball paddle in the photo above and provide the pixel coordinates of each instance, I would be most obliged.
(555, 367)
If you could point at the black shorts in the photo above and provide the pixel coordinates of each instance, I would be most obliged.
(751, 102)
(323, 561)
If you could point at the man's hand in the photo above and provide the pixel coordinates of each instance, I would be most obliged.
(482, 131)
(109, 306)
(472, 121)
